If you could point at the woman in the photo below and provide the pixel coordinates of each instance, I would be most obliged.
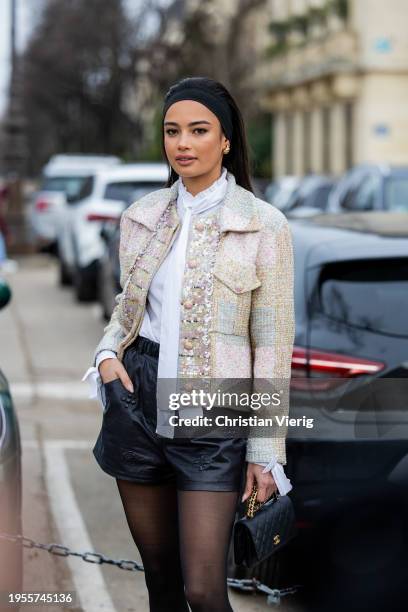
(207, 278)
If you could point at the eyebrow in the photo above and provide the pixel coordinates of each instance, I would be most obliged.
(190, 124)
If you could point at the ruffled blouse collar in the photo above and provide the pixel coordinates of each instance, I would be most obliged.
(210, 196)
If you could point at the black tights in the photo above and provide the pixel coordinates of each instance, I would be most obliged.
(183, 539)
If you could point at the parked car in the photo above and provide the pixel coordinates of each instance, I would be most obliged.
(280, 191)
(11, 572)
(80, 242)
(350, 374)
(3, 251)
(63, 178)
(371, 187)
(109, 265)
(310, 197)
(109, 270)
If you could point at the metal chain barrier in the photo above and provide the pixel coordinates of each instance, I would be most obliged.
(243, 584)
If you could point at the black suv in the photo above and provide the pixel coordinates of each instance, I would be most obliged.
(350, 374)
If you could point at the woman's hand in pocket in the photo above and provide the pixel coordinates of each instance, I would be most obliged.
(111, 369)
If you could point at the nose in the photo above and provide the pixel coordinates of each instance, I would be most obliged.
(183, 142)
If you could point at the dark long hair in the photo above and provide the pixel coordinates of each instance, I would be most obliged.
(237, 160)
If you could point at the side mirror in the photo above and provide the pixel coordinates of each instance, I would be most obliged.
(5, 293)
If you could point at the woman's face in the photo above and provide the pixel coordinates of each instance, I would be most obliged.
(192, 131)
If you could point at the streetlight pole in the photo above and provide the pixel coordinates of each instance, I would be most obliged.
(13, 11)
(15, 148)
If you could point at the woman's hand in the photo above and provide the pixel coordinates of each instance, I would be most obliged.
(264, 482)
(110, 369)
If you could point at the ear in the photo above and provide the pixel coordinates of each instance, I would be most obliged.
(224, 139)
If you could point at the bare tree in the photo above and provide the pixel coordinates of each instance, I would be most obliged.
(95, 76)
(76, 67)
(200, 38)
(204, 40)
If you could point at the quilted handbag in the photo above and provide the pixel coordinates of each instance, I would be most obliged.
(265, 528)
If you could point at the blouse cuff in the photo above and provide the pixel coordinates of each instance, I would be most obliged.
(92, 375)
(105, 354)
(282, 481)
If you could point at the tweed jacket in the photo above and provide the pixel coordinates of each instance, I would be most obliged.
(237, 314)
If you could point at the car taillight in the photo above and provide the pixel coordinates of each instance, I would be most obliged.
(326, 369)
(42, 205)
(103, 218)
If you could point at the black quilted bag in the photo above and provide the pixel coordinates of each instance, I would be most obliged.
(265, 528)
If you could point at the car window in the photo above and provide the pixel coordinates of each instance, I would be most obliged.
(126, 190)
(348, 188)
(347, 198)
(367, 193)
(292, 201)
(396, 193)
(70, 185)
(318, 199)
(366, 294)
(285, 197)
(271, 192)
(86, 189)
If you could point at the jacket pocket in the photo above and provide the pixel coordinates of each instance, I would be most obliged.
(233, 286)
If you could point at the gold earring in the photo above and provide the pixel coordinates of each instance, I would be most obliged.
(227, 149)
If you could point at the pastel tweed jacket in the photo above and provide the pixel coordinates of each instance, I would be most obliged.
(237, 316)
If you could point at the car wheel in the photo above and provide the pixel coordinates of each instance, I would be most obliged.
(50, 248)
(102, 298)
(65, 277)
(85, 283)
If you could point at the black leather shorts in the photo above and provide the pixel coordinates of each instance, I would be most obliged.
(129, 448)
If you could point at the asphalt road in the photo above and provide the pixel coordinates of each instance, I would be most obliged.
(47, 341)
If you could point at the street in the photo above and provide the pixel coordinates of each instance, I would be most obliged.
(47, 344)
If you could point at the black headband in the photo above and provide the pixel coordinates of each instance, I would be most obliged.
(216, 104)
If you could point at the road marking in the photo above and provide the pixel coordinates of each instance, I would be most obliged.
(30, 445)
(88, 579)
(34, 444)
(69, 390)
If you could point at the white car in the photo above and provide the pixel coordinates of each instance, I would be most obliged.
(80, 242)
(63, 178)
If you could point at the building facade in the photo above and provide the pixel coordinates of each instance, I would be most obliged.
(336, 83)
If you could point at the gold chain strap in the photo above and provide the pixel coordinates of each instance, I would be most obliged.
(253, 505)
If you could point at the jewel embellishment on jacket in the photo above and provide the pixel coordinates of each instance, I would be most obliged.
(195, 354)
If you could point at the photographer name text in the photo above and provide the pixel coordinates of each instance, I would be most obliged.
(240, 421)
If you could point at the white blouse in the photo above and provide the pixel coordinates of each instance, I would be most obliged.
(154, 326)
